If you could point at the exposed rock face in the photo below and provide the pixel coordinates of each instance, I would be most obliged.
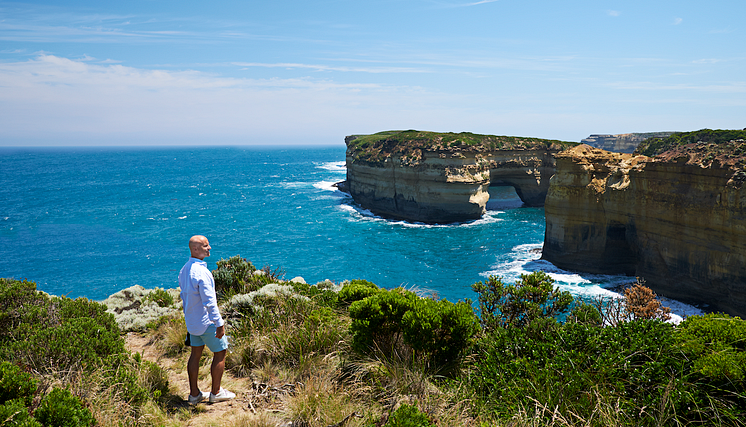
(676, 220)
(434, 183)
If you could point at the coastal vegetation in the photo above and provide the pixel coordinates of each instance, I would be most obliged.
(727, 145)
(355, 355)
(410, 144)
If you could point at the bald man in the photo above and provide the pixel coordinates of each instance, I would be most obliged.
(204, 324)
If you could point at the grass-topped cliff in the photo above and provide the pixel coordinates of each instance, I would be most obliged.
(356, 355)
(703, 147)
(410, 144)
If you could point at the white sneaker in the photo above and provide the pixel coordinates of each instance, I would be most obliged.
(193, 400)
(222, 395)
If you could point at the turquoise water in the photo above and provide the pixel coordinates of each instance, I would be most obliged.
(89, 222)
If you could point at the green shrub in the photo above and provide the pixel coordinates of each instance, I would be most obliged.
(435, 333)
(233, 275)
(21, 307)
(356, 290)
(532, 297)
(15, 384)
(322, 293)
(14, 413)
(715, 345)
(160, 297)
(586, 314)
(439, 331)
(236, 275)
(61, 409)
(76, 343)
(377, 320)
(408, 416)
(56, 333)
(579, 367)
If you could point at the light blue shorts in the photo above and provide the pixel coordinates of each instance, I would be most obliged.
(208, 338)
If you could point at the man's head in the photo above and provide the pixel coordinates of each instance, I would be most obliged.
(199, 247)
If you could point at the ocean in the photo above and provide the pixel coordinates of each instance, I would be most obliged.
(92, 221)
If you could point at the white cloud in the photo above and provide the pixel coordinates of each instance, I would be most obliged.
(613, 12)
(477, 3)
(677, 21)
(315, 67)
(63, 99)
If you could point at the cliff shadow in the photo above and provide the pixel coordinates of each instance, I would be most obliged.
(503, 197)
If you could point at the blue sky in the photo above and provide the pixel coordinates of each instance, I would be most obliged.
(162, 72)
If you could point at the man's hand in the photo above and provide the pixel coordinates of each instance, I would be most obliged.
(219, 332)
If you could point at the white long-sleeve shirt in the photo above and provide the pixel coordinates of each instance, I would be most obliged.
(198, 296)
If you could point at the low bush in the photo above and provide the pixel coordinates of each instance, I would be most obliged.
(160, 297)
(532, 297)
(323, 293)
(16, 384)
(715, 345)
(236, 275)
(55, 333)
(356, 290)
(61, 409)
(576, 367)
(377, 320)
(439, 331)
(76, 343)
(436, 333)
(408, 416)
(21, 307)
(14, 413)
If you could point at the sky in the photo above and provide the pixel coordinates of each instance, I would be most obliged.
(279, 72)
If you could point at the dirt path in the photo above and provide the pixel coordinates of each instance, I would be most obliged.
(251, 400)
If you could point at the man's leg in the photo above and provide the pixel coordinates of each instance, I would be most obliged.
(193, 369)
(216, 370)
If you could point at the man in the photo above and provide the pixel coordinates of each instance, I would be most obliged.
(204, 324)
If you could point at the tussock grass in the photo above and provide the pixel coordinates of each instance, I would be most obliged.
(321, 402)
(169, 333)
(260, 419)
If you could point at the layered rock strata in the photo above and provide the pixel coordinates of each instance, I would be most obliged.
(418, 177)
(676, 221)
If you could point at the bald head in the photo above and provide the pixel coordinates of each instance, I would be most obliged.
(199, 247)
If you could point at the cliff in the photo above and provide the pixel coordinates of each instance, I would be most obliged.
(444, 177)
(676, 219)
(623, 142)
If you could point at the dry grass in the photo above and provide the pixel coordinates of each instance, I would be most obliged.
(322, 402)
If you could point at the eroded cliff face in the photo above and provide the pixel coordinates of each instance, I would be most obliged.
(446, 184)
(676, 221)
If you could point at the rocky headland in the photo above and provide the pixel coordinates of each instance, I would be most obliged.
(672, 213)
(444, 177)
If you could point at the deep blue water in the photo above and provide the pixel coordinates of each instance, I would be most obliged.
(89, 222)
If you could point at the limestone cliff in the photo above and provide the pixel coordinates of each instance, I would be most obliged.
(444, 177)
(677, 220)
